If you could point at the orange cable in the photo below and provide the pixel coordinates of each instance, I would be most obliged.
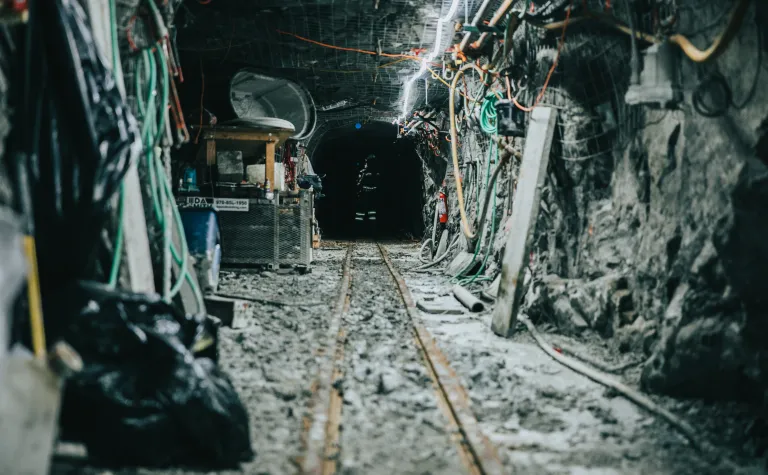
(552, 69)
(342, 48)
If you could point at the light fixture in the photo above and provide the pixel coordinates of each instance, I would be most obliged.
(425, 61)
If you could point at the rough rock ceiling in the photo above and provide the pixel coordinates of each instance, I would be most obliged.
(260, 33)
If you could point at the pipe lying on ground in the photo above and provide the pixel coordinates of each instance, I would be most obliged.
(697, 442)
(466, 298)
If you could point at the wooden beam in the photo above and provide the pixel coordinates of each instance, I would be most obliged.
(210, 152)
(138, 257)
(188, 299)
(270, 167)
(525, 210)
(247, 135)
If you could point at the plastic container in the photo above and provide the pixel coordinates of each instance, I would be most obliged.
(201, 228)
(257, 175)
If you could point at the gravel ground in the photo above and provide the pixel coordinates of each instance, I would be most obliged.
(391, 423)
(547, 419)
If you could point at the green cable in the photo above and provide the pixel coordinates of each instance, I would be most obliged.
(488, 114)
(490, 243)
(478, 245)
(159, 183)
(117, 252)
(488, 125)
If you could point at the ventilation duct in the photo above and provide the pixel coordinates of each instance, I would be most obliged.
(255, 97)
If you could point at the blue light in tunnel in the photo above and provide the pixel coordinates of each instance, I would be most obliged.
(358, 126)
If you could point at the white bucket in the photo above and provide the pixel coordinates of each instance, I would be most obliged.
(256, 175)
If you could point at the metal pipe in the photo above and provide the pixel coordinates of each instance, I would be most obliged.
(635, 50)
(500, 13)
(466, 298)
(478, 17)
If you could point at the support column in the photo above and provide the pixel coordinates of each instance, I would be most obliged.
(269, 171)
(525, 211)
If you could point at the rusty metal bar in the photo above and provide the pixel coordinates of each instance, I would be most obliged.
(323, 433)
(480, 455)
(497, 17)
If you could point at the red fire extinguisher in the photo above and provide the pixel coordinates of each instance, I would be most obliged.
(442, 206)
(18, 5)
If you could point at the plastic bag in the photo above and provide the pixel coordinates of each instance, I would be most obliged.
(143, 398)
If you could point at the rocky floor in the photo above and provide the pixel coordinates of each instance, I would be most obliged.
(546, 419)
(390, 420)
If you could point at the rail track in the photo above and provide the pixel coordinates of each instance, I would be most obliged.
(323, 440)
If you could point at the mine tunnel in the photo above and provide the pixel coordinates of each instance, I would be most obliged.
(339, 159)
(383, 237)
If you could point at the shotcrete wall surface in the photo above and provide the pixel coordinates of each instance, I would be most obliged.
(652, 230)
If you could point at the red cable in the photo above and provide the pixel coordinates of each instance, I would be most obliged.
(203, 2)
(552, 69)
(131, 43)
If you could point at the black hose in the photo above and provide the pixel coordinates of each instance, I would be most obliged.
(713, 82)
(489, 194)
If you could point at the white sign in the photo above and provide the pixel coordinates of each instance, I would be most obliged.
(230, 204)
(219, 204)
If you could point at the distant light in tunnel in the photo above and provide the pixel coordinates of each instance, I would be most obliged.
(358, 126)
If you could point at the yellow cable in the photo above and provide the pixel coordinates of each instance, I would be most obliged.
(35, 302)
(454, 146)
(696, 55)
(721, 41)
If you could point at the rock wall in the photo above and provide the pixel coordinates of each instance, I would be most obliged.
(653, 225)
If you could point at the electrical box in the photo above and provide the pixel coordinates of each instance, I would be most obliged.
(660, 78)
(510, 119)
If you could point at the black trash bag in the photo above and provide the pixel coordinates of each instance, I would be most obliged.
(143, 398)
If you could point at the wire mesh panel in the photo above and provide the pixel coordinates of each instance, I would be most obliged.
(294, 230)
(271, 232)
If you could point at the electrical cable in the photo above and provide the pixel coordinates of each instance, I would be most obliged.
(489, 244)
(718, 46)
(758, 68)
(439, 259)
(716, 86)
(153, 115)
(551, 69)
(713, 82)
(342, 48)
(488, 114)
(421, 250)
(117, 251)
(635, 50)
(641, 400)
(454, 146)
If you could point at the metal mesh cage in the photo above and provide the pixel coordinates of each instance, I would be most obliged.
(272, 232)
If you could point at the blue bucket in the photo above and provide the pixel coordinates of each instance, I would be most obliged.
(201, 228)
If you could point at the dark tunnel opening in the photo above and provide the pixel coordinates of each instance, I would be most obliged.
(397, 200)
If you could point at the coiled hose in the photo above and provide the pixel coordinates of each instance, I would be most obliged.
(154, 114)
